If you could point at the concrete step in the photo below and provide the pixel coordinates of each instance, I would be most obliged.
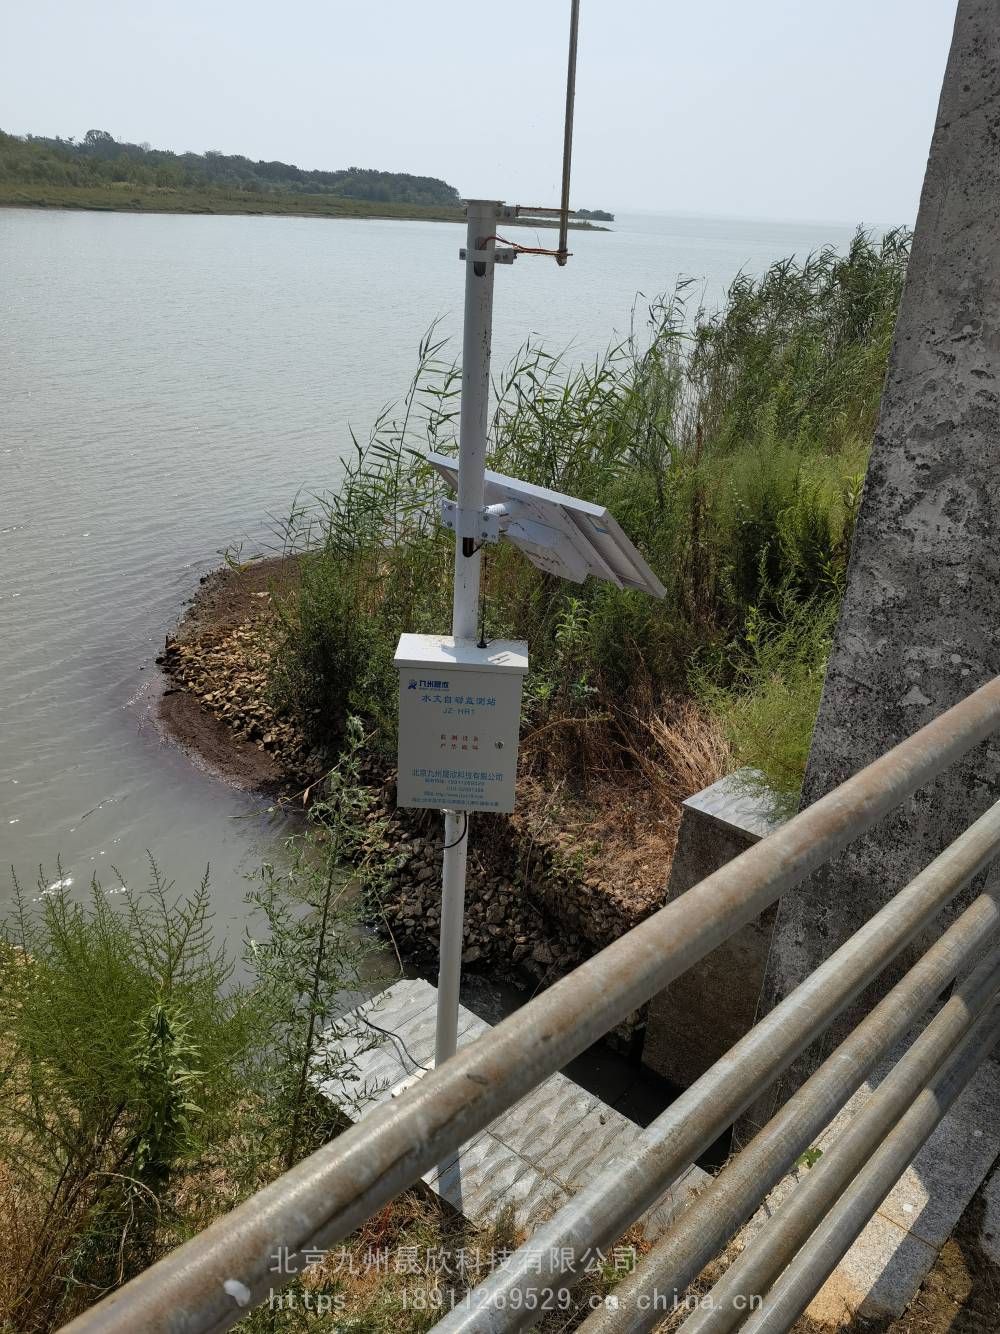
(533, 1157)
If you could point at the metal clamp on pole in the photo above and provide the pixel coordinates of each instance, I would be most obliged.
(480, 525)
(494, 256)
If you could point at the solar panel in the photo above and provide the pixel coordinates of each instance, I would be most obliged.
(559, 534)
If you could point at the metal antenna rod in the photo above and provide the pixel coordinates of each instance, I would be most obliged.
(477, 336)
(574, 23)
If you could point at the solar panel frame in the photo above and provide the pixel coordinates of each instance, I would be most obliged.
(592, 530)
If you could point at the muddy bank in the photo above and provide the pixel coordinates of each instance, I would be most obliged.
(547, 887)
(214, 703)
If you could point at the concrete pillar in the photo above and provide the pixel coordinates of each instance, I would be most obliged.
(697, 1018)
(920, 624)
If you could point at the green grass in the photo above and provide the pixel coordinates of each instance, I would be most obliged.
(128, 197)
(766, 693)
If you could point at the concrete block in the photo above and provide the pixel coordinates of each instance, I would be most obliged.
(878, 1276)
(697, 1018)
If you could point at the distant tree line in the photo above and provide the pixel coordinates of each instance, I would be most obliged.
(595, 214)
(99, 157)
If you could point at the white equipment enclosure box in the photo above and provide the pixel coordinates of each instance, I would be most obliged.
(459, 719)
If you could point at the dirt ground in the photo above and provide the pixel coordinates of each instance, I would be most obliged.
(961, 1294)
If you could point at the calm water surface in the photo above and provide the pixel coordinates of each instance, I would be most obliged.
(167, 382)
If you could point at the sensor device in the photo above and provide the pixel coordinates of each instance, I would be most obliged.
(459, 721)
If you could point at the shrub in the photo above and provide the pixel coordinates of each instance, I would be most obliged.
(307, 958)
(122, 1048)
(133, 1064)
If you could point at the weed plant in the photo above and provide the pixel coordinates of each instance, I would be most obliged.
(133, 1063)
(122, 1052)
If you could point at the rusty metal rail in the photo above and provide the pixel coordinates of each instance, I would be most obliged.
(211, 1281)
(603, 1209)
(831, 1240)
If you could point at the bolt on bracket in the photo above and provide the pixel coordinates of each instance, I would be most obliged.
(481, 525)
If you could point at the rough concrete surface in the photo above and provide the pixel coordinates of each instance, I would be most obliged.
(534, 1157)
(696, 1019)
(920, 623)
(989, 1223)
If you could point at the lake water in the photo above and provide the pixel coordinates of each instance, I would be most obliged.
(167, 383)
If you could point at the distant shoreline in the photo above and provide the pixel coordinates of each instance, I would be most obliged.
(130, 199)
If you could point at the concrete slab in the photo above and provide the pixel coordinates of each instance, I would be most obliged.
(931, 1195)
(879, 1276)
(738, 803)
(532, 1157)
(603, 1134)
(486, 1176)
(673, 1202)
(401, 1044)
(535, 1126)
(882, 1272)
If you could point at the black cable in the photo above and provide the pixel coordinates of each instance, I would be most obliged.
(400, 1044)
(465, 830)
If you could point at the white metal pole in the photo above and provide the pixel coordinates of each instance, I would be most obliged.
(477, 334)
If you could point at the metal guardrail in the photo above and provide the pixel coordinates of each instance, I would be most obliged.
(211, 1281)
(721, 1209)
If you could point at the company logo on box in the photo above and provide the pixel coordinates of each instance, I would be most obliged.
(414, 684)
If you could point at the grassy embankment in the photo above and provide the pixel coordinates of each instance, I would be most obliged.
(126, 197)
(100, 172)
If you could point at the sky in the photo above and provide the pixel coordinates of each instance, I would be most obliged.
(783, 109)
